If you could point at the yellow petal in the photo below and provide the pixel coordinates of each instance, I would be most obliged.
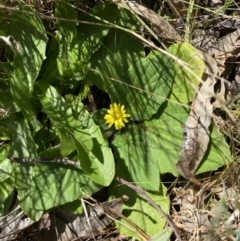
(110, 124)
(108, 117)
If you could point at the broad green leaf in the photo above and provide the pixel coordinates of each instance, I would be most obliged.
(88, 39)
(184, 82)
(72, 55)
(8, 125)
(52, 152)
(164, 134)
(218, 153)
(93, 151)
(5, 74)
(43, 186)
(67, 61)
(135, 156)
(141, 84)
(74, 207)
(66, 11)
(54, 106)
(144, 215)
(144, 84)
(119, 49)
(163, 235)
(101, 166)
(6, 169)
(118, 52)
(29, 34)
(23, 182)
(4, 150)
(54, 185)
(138, 210)
(4, 134)
(6, 182)
(61, 113)
(7, 102)
(23, 146)
(22, 141)
(153, 77)
(46, 135)
(145, 150)
(67, 145)
(97, 163)
(6, 195)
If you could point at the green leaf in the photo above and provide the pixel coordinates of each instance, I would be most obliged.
(118, 52)
(218, 153)
(72, 54)
(154, 75)
(7, 127)
(54, 106)
(163, 235)
(74, 207)
(61, 113)
(88, 39)
(4, 134)
(6, 169)
(23, 146)
(184, 82)
(29, 33)
(54, 185)
(46, 135)
(43, 186)
(165, 134)
(98, 117)
(101, 166)
(144, 151)
(94, 154)
(138, 210)
(52, 152)
(8, 103)
(141, 84)
(136, 158)
(67, 27)
(23, 182)
(67, 144)
(5, 74)
(6, 195)
(22, 141)
(99, 163)
(6, 182)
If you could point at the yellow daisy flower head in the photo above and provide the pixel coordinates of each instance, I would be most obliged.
(116, 115)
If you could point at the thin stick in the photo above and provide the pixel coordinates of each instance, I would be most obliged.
(39, 160)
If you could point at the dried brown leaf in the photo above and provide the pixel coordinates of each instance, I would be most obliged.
(196, 132)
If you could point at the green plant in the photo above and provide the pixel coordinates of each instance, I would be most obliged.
(41, 95)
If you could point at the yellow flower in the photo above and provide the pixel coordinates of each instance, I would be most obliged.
(116, 115)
